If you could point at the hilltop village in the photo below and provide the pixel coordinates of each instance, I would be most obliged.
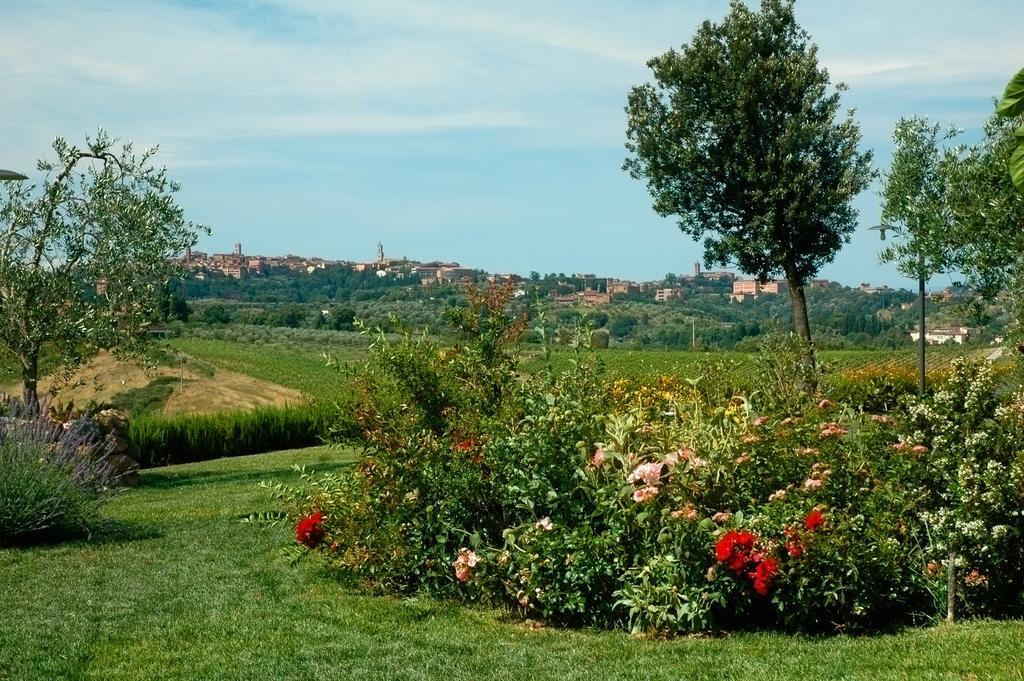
(730, 307)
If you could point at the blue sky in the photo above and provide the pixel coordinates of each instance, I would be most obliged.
(488, 133)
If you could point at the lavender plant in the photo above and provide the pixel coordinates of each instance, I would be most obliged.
(53, 477)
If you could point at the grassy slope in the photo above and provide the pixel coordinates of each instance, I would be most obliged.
(297, 368)
(183, 590)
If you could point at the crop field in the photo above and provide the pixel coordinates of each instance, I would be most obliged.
(302, 367)
(645, 363)
(299, 368)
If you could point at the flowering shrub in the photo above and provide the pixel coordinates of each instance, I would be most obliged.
(873, 389)
(53, 479)
(966, 446)
(310, 530)
(671, 513)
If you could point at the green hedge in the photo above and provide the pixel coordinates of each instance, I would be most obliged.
(165, 440)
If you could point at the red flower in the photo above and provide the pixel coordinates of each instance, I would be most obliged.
(734, 549)
(814, 520)
(467, 445)
(310, 530)
(763, 575)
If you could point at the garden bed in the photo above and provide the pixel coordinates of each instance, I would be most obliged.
(181, 589)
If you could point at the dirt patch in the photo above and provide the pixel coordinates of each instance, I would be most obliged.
(188, 386)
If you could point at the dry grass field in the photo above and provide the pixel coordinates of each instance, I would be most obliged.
(189, 386)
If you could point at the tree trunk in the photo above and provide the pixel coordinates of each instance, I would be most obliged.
(30, 379)
(802, 326)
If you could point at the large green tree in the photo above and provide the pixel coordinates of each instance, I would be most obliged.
(740, 136)
(85, 254)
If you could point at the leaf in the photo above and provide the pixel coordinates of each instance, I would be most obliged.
(1017, 166)
(1012, 103)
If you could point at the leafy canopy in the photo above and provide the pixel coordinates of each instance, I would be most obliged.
(987, 233)
(915, 197)
(85, 255)
(1012, 106)
(739, 136)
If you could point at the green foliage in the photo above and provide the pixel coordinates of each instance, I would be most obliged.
(971, 482)
(52, 481)
(103, 213)
(988, 212)
(782, 375)
(876, 390)
(1012, 106)
(182, 438)
(739, 137)
(190, 589)
(915, 200)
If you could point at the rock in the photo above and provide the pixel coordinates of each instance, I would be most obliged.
(112, 421)
(123, 469)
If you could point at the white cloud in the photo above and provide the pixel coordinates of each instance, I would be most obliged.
(278, 68)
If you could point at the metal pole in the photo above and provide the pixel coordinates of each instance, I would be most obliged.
(921, 340)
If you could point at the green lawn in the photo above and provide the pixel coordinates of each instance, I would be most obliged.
(182, 590)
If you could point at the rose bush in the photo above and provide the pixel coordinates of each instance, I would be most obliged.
(669, 510)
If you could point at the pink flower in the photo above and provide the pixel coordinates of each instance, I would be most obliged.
(882, 418)
(648, 473)
(742, 458)
(464, 563)
(645, 494)
(808, 451)
(688, 513)
(749, 439)
(722, 517)
(545, 524)
(919, 449)
(813, 483)
(777, 495)
(825, 404)
(598, 458)
(759, 421)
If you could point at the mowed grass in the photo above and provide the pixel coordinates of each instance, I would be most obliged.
(181, 589)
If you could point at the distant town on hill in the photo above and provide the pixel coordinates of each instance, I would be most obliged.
(711, 309)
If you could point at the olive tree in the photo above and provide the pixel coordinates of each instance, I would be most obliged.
(915, 198)
(740, 136)
(85, 254)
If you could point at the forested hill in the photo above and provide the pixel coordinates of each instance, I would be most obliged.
(704, 316)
